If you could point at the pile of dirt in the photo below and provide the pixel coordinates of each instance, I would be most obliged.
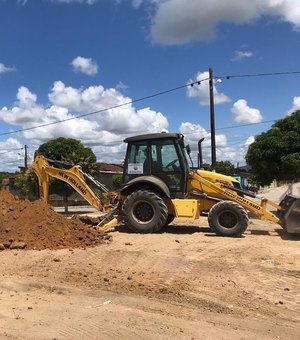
(35, 225)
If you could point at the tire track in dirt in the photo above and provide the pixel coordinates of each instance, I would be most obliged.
(76, 333)
(267, 275)
(279, 287)
(125, 269)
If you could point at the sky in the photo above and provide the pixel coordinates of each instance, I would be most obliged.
(103, 70)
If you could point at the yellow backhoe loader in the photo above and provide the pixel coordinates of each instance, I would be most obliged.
(158, 186)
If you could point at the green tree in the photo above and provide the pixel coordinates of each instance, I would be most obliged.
(27, 182)
(275, 154)
(117, 181)
(225, 168)
(70, 151)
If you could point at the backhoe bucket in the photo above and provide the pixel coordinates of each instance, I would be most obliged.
(290, 214)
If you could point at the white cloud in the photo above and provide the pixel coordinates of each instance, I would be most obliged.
(296, 105)
(152, 120)
(5, 69)
(11, 155)
(137, 3)
(67, 97)
(287, 10)
(177, 22)
(244, 114)
(239, 55)
(224, 152)
(104, 131)
(121, 87)
(85, 65)
(26, 110)
(25, 97)
(88, 2)
(242, 149)
(123, 116)
(194, 132)
(80, 128)
(22, 2)
(249, 140)
(201, 91)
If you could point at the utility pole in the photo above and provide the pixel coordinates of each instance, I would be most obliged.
(26, 158)
(212, 120)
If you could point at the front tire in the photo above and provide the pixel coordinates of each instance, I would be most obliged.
(144, 212)
(228, 218)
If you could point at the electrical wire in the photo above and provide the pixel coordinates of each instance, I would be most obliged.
(242, 125)
(10, 150)
(115, 143)
(198, 82)
(15, 161)
(257, 75)
(153, 96)
(106, 109)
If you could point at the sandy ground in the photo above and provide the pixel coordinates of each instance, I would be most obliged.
(183, 283)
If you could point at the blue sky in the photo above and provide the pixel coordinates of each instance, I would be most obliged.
(64, 58)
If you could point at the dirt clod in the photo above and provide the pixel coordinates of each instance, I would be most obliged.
(18, 245)
(35, 225)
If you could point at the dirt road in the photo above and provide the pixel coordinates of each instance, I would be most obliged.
(184, 283)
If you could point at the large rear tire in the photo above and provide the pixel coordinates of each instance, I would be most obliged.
(144, 212)
(228, 218)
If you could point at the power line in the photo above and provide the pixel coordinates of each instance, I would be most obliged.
(10, 150)
(106, 109)
(198, 82)
(15, 161)
(116, 142)
(249, 124)
(258, 75)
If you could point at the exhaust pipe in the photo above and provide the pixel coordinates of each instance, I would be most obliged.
(200, 158)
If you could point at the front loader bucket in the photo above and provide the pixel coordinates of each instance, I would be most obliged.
(290, 214)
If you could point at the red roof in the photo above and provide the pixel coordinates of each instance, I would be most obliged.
(115, 168)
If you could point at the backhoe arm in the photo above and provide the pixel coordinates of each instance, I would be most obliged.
(74, 177)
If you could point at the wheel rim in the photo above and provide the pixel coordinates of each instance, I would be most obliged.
(228, 219)
(143, 212)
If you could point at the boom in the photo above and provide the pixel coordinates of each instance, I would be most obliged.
(226, 192)
(75, 177)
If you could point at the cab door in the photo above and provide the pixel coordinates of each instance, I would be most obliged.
(168, 165)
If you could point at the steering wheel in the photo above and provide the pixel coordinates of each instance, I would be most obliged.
(172, 163)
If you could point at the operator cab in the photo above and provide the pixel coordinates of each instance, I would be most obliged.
(161, 155)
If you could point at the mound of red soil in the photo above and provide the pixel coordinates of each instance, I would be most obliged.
(35, 225)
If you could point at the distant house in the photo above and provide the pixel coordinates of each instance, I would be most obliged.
(245, 170)
(107, 171)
